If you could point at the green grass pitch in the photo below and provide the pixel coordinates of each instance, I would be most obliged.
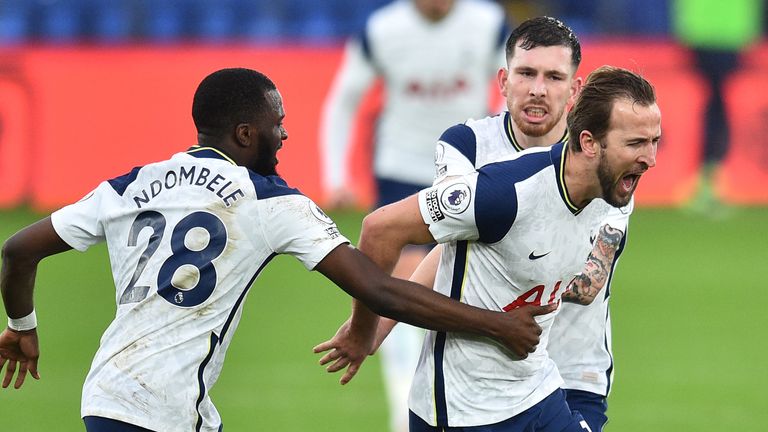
(689, 328)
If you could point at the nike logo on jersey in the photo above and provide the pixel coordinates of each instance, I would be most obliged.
(533, 256)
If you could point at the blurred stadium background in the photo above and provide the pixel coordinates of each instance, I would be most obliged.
(91, 88)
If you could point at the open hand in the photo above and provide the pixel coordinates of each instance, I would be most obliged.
(347, 349)
(18, 349)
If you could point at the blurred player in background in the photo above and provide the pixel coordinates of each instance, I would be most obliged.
(514, 233)
(716, 32)
(187, 237)
(436, 59)
(540, 82)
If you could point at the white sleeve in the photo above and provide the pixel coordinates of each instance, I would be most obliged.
(356, 74)
(450, 162)
(80, 224)
(618, 218)
(295, 225)
(449, 210)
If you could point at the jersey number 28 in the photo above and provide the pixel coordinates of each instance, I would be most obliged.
(181, 255)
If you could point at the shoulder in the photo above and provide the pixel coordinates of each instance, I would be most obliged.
(488, 127)
(517, 167)
(470, 131)
(462, 138)
(121, 183)
(271, 186)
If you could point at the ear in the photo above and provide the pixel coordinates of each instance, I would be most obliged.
(576, 85)
(501, 80)
(589, 146)
(244, 135)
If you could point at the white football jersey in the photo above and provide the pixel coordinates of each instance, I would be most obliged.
(436, 74)
(581, 336)
(187, 237)
(580, 341)
(512, 237)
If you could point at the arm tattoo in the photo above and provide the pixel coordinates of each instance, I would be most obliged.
(586, 285)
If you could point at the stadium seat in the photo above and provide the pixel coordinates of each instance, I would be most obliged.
(61, 21)
(265, 21)
(15, 21)
(214, 20)
(111, 21)
(163, 20)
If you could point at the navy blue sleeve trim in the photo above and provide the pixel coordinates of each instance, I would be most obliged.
(462, 138)
(120, 184)
(496, 202)
(271, 186)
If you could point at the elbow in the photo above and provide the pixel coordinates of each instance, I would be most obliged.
(372, 231)
(12, 250)
(15, 251)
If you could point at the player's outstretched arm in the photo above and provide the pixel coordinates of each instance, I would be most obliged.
(414, 304)
(347, 348)
(385, 232)
(21, 254)
(587, 285)
(424, 275)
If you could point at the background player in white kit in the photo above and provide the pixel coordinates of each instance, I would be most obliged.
(187, 237)
(539, 83)
(528, 221)
(436, 59)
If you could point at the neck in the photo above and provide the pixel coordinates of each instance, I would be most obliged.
(204, 140)
(580, 179)
(546, 140)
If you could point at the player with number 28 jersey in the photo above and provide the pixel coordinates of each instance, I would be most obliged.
(179, 296)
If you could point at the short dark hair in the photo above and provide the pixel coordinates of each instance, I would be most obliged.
(229, 97)
(592, 110)
(546, 32)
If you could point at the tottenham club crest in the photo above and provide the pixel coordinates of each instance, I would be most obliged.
(456, 198)
(319, 213)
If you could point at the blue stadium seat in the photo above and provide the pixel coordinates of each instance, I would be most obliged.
(61, 21)
(163, 20)
(214, 20)
(111, 21)
(265, 20)
(15, 21)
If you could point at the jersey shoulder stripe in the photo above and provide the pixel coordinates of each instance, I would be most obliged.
(496, 204)
(462, 138)
(271, 186)
(121, 183)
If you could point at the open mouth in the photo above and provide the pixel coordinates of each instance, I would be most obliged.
(629, 182)
(535, 113)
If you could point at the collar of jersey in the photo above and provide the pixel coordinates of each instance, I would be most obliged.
(558, 154)
(510, 132)
(209, 152)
